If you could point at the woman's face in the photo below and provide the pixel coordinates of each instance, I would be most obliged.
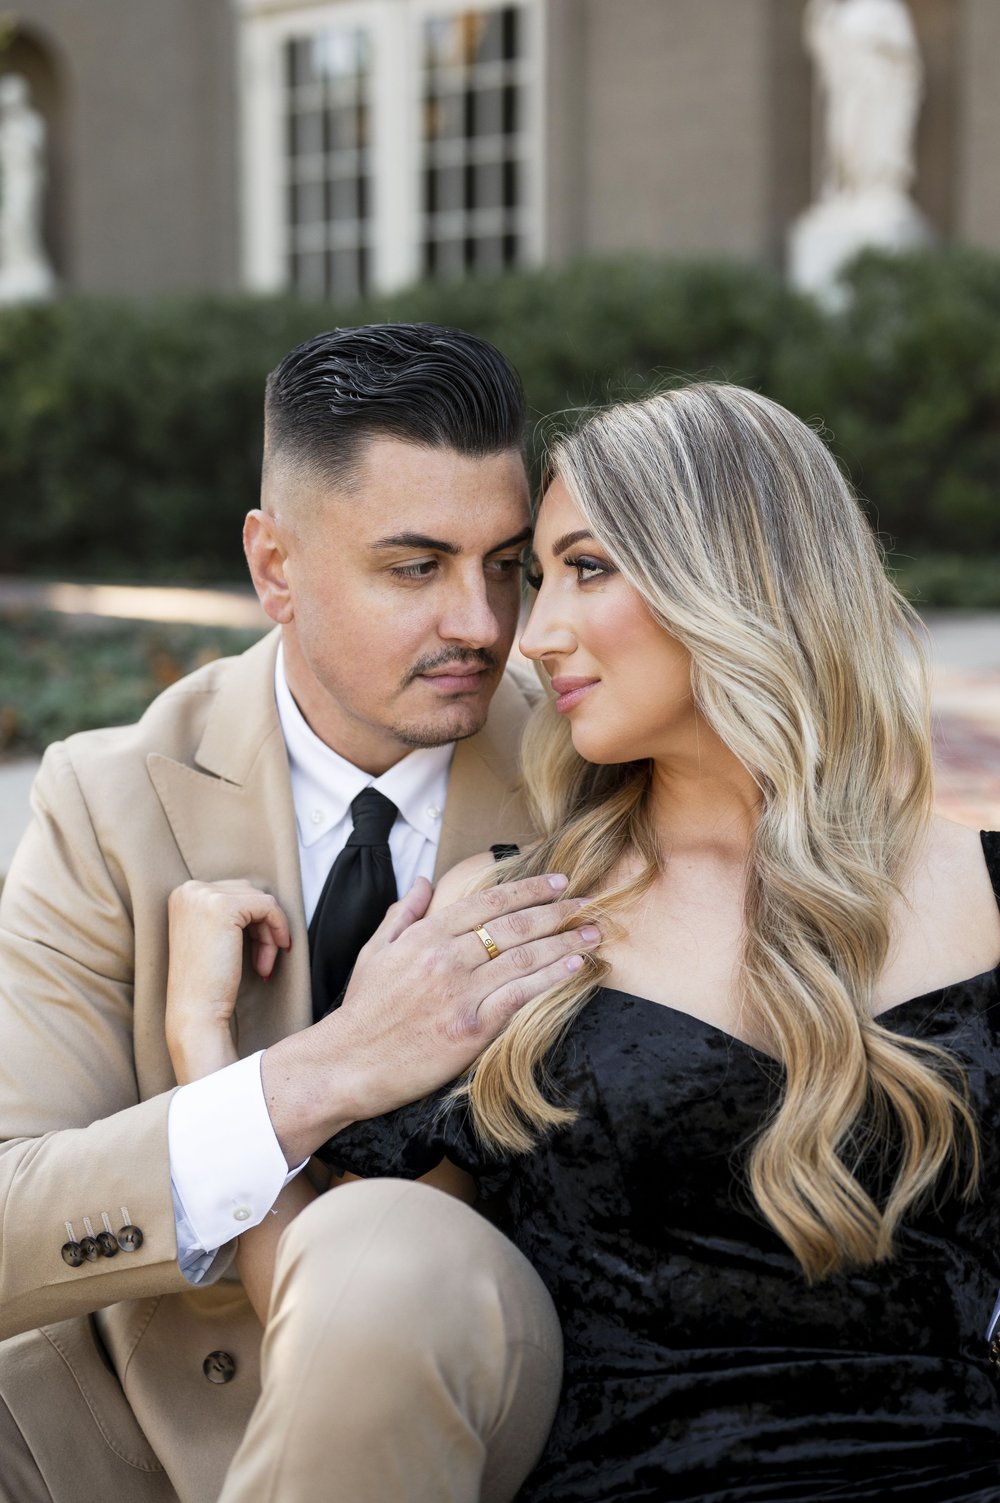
(622, 680)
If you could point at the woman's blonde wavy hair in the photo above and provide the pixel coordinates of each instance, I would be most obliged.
(734, 523)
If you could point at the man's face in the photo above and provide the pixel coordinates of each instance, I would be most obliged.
(398, 595)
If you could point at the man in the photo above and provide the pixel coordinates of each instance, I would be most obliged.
(393, 515)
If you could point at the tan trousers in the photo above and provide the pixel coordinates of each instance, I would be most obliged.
(412, 1355)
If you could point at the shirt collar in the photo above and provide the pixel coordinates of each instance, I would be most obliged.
(324, 784)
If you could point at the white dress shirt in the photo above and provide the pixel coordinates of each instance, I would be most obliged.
(226, 1167)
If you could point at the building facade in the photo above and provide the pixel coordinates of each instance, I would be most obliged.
(343, 146)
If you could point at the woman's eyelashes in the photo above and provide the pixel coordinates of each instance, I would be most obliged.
(587, 569)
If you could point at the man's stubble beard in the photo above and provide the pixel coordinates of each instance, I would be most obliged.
(417, 737)
(421, 737)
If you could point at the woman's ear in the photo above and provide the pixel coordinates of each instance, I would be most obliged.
(266, 556)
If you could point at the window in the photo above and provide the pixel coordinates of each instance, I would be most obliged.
(386, 140)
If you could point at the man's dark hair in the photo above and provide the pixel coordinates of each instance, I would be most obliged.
(441, 388)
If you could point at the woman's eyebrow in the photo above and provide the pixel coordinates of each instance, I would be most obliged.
(569, 538)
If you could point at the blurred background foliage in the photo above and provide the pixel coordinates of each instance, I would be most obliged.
(60, 674)
(130, 433)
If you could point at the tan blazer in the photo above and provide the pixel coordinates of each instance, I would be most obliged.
(198, 788)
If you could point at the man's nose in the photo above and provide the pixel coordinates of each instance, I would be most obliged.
(471, 617)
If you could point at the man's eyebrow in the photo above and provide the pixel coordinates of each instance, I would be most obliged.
(568, 539)
(438, 545)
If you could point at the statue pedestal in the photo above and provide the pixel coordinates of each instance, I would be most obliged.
(829, 234)
(32, 283)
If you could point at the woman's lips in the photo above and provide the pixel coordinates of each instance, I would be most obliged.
(570, 691)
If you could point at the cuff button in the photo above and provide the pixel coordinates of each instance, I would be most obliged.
(72, 1254)
(107, 1244)
(130, 1238)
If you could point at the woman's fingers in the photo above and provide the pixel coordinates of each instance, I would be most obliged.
(207, 915)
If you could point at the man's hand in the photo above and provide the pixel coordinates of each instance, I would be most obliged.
(424, 1000)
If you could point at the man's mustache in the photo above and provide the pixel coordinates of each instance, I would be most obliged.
(468, 657)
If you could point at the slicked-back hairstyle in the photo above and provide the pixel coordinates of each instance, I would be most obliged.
(424, 384)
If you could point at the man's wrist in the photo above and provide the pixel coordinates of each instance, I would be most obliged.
(309, 1097)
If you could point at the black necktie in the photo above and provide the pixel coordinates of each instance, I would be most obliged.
(359, 889)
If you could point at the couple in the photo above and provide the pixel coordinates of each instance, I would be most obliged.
(727, 1091)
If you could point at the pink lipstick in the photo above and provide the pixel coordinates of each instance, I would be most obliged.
(570, 691)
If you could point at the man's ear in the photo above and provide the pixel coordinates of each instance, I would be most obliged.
(266, 555)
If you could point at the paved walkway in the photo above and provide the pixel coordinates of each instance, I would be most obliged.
(966, 649)
(967, 715)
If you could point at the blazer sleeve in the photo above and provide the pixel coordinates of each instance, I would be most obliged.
(79, 1151)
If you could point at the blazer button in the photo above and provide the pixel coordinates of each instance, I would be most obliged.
(130, 1238)
(72, 1253)
(219, 1367)
(90, 1249)
(108, 1244)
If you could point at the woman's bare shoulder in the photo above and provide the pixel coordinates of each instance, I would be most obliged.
(954, 855)
(459, 880)
(951, 896)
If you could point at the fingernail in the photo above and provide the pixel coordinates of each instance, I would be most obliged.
(557, 882)
(574, 962)
(590, 932)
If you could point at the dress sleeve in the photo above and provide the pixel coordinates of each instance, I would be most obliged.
(411, 1141)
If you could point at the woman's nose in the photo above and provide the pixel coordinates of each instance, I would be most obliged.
(544, 634)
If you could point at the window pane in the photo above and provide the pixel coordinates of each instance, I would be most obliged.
(343, 129)
(489, 43)
(488, 186)
(309, 134)
(489, 255)
(488, 112)
(344, 199)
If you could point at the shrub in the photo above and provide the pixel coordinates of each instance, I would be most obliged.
(130, 433)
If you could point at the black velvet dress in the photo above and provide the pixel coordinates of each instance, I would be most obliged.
(699, 1364)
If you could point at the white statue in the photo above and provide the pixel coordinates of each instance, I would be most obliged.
(869, 64)
(25, 271)
(871, 79)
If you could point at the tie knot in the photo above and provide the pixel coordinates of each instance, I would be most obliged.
(373, 816)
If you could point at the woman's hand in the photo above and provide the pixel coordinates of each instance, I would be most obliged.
(209, 923)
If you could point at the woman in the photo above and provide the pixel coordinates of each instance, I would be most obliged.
(752, 1147)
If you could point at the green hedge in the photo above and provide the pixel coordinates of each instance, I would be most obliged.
(130, 433)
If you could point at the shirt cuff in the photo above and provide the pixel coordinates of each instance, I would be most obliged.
(226, 1168)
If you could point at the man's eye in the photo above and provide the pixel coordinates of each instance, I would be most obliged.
(505, 566)
(419, 570)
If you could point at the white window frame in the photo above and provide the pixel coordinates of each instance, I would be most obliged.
(396, 218)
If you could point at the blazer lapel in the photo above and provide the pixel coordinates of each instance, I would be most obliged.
(232, 817)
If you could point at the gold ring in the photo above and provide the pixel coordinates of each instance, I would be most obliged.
(489, 943)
